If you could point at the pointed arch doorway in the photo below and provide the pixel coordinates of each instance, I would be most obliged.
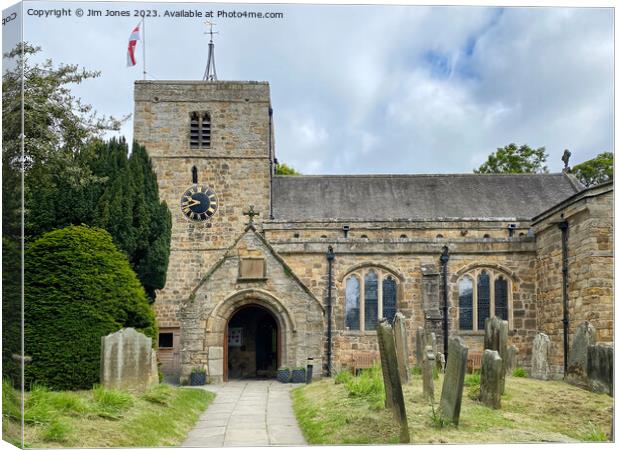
(252, 343)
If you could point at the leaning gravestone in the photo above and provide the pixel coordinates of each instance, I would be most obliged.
(452, 390)
(601, 368)
(540, 357)
(391, 377)
(128, 361)
(491, 379)
(427, 373)
(496, 338)
(402, 348)
(585, 335)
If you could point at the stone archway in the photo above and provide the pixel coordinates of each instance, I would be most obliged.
(252, 343)
(218, 320)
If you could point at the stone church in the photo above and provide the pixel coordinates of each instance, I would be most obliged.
(271, 271)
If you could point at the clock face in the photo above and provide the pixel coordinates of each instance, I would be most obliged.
(199, 203)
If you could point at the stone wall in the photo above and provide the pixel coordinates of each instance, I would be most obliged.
(590, 268)
(416, 265)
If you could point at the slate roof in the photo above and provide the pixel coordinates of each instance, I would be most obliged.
(418, 197)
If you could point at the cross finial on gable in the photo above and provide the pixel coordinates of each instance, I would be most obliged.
(251, 213)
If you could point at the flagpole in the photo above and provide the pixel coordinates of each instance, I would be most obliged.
(143, 50)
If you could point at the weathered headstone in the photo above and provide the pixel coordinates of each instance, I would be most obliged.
(600, 368)
(441, 362)
(420, 344)
(496, 338)
(432, 341)
(452, 390)
(128, 361)
(391, 377)
(511, 359)
(402, 348)
(427, 373)
(585, 335)
(540, 357)
(491, 379)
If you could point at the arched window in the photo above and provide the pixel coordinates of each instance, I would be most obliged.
(199, 130)
(483, 293)
(389, 298)
(370, 294)
(352, 303)
(501, 298)
(484, 298)
(371, 300)
(466, 303)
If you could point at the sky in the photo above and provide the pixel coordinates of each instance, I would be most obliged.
(370, 89)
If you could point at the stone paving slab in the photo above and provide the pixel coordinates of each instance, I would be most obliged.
(248, 414)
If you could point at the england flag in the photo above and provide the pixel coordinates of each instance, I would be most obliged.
(131, 48)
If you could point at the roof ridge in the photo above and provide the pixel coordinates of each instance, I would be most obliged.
(411, 175)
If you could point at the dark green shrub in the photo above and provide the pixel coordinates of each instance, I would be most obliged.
(78, 288)
(11, 309)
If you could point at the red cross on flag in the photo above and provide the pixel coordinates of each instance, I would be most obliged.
(131, 48)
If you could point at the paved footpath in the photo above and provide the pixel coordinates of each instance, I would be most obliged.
(247, 413)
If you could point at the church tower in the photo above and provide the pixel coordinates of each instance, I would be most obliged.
(211, 147)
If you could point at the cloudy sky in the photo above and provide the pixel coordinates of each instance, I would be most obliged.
(372, 89)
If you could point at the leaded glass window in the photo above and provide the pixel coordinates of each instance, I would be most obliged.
(389, 298)
(501, 298)
(483, 293)
(466, 303)
(352, 303)
(371, 301)
(484, 298)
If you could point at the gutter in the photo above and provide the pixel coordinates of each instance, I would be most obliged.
(443, 259)
(330, 260)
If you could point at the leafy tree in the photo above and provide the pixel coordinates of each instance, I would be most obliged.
(78, 288)
(11, 309)
(513, 159)
(283, 169)
(596, 170)
(71, 176)
(56, 127)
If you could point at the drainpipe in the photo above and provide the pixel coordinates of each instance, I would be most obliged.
(270, 165)
(563, 226)
(330, 259)
(444, 273)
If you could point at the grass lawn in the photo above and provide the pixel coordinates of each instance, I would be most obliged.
(532, 411)
(104, 418)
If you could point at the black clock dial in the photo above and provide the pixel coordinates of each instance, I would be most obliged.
(199, 203)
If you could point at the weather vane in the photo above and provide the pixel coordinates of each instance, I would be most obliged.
(210, 74)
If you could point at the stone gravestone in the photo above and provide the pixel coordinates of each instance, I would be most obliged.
(453, 380)
(540, 357)
(427, 373)
(391, 378)
(600, 368)
(441, 362)
(491, 379)
(585, 335)
(402, 348)
(511, 359)
(128, 361)
(420, 344)
(496, 338)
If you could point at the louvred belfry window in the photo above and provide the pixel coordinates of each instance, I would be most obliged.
(200, 130)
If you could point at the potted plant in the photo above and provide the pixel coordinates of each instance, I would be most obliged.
(284, 375)
(299, 375)
(198, 377)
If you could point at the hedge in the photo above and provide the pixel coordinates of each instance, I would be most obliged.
(78, 288)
